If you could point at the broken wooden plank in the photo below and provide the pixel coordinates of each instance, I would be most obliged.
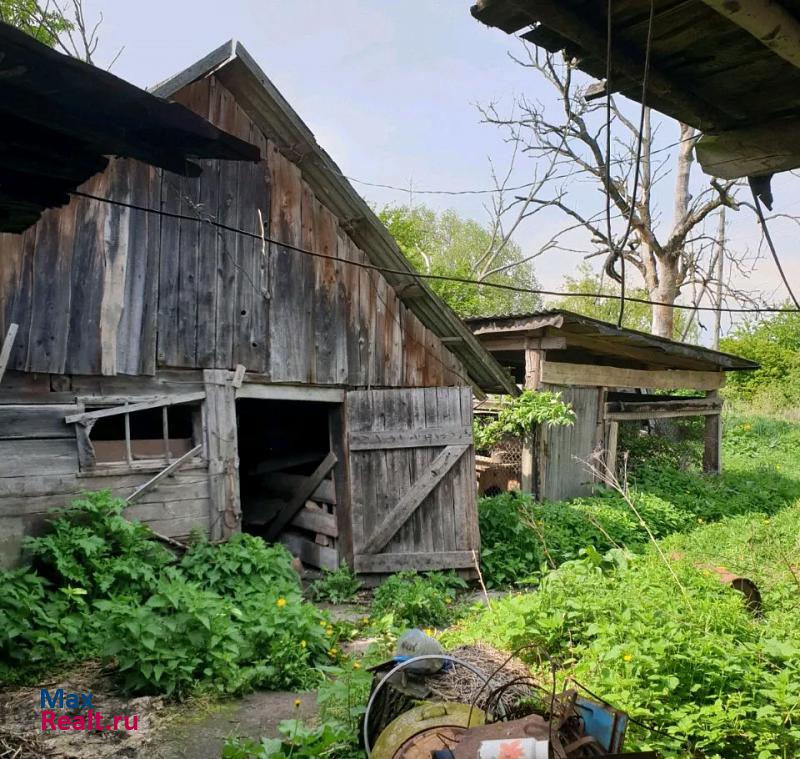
(289, 392)
(166, 472)
(311, 553)
(412, 438)
(133, 407)
(316, 520)
(409, 502)
(301, 496)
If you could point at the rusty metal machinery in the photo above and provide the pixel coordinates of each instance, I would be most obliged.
(562, 726)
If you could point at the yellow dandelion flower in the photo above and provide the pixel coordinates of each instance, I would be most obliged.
(365, 620)
(329, 631)
(356, 665)
(297, 703)
(700, 520)
(429, 632)
(323, 623)
(281, 602)
(332, 653)
(303, 644)
(627, 657)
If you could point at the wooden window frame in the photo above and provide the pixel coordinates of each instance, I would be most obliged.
(104, 407)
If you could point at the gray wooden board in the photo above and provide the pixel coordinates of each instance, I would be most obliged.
(35, 421)
(301, 495)
(316, 520)
(311, 553)
(419, 561)
(21, 458)
(398, 502)
(169, 270)
(568, 448)
(411, 438)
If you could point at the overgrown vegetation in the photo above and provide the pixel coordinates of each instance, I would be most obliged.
(335, 587)
(418, 600)
(775, 344)
(517, 416)
(655, 631)
(222, 619)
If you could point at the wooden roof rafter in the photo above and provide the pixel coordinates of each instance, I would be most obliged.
(730, 69)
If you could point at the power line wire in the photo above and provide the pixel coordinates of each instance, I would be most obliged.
(638, 165)
(771, 245)
(420, 276)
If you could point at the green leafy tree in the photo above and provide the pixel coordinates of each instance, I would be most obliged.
(775, 344)
(40, 22)
(448, 244)
(636, 316)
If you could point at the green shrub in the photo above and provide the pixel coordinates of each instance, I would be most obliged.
(92, 546)
(691, 661)
(418, 600)
(223, 619)
(298, 740)
(335, 587)
(775, 344)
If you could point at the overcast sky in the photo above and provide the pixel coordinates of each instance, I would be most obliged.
(389, 89)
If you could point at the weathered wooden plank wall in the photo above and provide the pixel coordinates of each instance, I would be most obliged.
(39, 468)
(102, 289)
(567, 449)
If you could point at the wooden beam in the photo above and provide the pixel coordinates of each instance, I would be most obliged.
(311, 553)
(316, 520)
(8, 344)
(612, 434)
(413, 497)
(751, 151)
(534, 360)
(290, 392)
(302, 494)
(421, 562)
(625, 410)
(520, 342)
(712, 448)
(592, 375)
(164, 473)
(421, 438)
(768, 21)
(166, 400)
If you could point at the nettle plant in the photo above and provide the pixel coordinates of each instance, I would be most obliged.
(518, 416)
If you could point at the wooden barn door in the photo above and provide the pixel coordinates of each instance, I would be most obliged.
(412, 479)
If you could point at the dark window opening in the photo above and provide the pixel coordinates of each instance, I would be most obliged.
(160, 434)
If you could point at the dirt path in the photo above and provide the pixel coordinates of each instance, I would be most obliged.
(203, 735)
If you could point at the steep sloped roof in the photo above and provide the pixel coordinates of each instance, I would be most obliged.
(269, 110)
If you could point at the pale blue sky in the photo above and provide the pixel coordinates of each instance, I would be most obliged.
(387, 86)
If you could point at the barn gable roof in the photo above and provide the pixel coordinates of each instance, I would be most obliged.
(269, 110)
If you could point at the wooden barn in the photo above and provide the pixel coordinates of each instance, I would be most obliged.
(608, 374)
(242, 350)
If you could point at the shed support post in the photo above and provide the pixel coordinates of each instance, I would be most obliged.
(223, 453)
(712, 453)
(534, 360)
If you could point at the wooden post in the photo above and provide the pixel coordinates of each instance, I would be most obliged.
(611, 448)
(534, 360)
(712, 453)
(223, 453)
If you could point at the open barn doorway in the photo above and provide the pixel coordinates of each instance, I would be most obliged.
(286, 475)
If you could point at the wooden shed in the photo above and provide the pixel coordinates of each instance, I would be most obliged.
(247, 349)
(608, 374)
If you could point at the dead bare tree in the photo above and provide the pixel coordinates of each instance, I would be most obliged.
(667, 258)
